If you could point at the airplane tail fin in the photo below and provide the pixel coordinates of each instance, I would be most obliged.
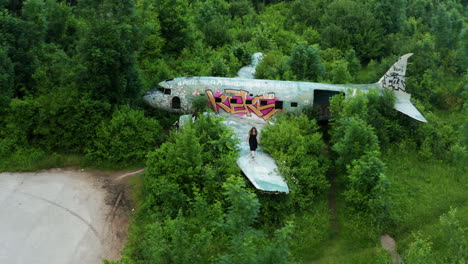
(394, 80)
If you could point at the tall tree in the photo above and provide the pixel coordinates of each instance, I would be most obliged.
(177, 26)
(107, 50)
(349, 24)
(390, 13)
(306, 63)
(6, 77)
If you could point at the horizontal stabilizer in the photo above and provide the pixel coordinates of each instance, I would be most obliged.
(248, 72)
(404, 105)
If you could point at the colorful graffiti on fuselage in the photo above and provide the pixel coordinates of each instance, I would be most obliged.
(239, 102)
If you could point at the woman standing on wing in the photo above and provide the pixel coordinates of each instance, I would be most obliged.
(253, 140)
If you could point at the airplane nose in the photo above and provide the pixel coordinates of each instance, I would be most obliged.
(151, 91)
(147, 97)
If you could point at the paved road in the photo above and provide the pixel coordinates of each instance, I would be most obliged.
(57, 216)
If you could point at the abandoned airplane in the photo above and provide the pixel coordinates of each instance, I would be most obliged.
(245, 100)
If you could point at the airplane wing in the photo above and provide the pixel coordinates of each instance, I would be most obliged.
(261, 171)
(248, 72)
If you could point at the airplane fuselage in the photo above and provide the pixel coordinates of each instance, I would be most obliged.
(262, 98)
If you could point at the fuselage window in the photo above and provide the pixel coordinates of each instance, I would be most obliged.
(218, 99)
(176, 102)
(248, 101)
(233, 101)
(167, 91)
(263, 102)
(161, 89)
(279, 105)
(293, 104)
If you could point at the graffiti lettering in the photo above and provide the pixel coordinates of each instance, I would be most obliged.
(240, 103)
(394, 81)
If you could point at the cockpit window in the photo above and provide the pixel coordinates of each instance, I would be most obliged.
(164, 90)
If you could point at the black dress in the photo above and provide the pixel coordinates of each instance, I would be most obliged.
(253, 142)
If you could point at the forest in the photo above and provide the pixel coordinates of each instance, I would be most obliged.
(72, 77)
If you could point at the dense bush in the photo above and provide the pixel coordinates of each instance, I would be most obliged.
(197, 207)
(300, 156)
(125, 138)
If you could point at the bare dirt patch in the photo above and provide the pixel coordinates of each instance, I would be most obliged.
(62, 216)
(389, 244)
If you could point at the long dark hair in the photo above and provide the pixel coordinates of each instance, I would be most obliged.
(251, 131)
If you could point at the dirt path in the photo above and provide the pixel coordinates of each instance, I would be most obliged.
(389, 244)
(62, 216)
(332, 202)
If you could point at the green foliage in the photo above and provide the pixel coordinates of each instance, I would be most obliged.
(176, 24)
(248, 245)
(185, 165)
(184, 217)
(55, 121)
(339, 72)
(419, 251)
(6, 78)
(219, 68)
(21, 35)
(358, 155)
(212, 20)
(345, 18)
(61, 25)
(390, 13)
(125, 138)
(436, 137)
(454, 234)
(273, 67)
(305, 62)
(367, 187)
(375, 108)
(353, 138)
(300, 156)
(107, 53)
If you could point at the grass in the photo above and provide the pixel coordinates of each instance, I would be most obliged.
(421, 190)
(34, 160)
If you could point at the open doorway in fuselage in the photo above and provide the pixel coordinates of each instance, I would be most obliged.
(175, 102)
(321, 106)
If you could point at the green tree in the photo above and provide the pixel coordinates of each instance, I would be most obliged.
(62, 25)
(390, 13)
(249, 245)
(353, 138)
(107, 51)
(446, 26)
(306, 13)
(177, 27)
(339, 72)
(151, 67)
(126, 138)
(6, 78)
(22, 35)
(419, 251)
(454, 235)
(300, 157)
(354, 65)
(212, 18)
(219, 68)
(367, 185)
(305, 62)
(350, 24)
